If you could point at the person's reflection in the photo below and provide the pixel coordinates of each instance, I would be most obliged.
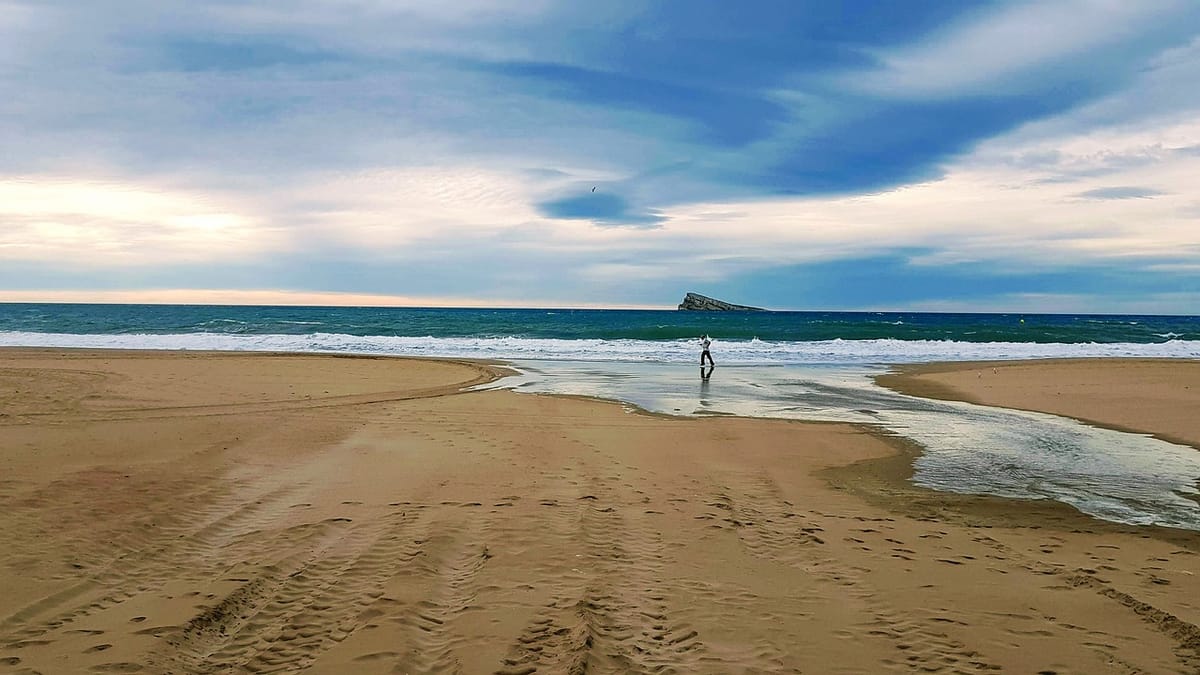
(705, 374)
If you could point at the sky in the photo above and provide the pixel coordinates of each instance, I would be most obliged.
(801, 154)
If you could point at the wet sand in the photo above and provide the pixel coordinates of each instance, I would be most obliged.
(1152, 396)
(192, 513)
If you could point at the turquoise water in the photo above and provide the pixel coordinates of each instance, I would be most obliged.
(603, 335)
(567, 324)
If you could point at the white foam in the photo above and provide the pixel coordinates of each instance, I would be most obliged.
(741, 352)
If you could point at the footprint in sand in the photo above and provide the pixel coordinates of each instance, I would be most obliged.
(376, 656)
(122, 667)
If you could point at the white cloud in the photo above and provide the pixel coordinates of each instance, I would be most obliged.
(388, 210)
(1015, 203)
(991, 47)
(986, 208)
(990, 207)
(84, 221)
(1156, 110)
(280, 297)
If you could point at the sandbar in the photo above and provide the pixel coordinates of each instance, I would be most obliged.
(1160, 397)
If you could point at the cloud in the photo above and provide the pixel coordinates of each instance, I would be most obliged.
(111, 223)
(448, 150)
(388, 210)
(600, 207)
(724, 117)
(998, 48)
(879, 146)
(739, 100)
(189, 296)
(1122, 192)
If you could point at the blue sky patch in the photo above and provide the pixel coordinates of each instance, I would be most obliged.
(195, 54)
(604, 208)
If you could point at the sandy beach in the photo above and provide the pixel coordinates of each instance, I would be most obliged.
(183, 512)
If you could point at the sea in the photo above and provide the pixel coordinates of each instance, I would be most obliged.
(797, 365)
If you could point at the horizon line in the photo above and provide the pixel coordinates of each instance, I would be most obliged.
(346, 301)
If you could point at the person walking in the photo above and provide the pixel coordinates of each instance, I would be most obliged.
(705, 342)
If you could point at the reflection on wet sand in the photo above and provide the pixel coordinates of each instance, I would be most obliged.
(1117, 476)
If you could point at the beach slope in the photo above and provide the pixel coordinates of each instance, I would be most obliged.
(195, 513)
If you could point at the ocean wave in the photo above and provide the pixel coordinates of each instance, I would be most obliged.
(730, 352)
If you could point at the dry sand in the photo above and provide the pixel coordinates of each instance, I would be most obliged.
(189, 513)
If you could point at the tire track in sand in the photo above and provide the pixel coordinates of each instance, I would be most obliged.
(452, 555)
(610, 614)
(193, 543)
(285, 618)
(1185, 634)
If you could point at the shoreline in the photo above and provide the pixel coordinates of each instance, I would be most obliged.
(894, 471)
(385, 520)
(887, 482)
(951, 381)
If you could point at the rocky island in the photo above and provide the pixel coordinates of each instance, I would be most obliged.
(703, 303)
